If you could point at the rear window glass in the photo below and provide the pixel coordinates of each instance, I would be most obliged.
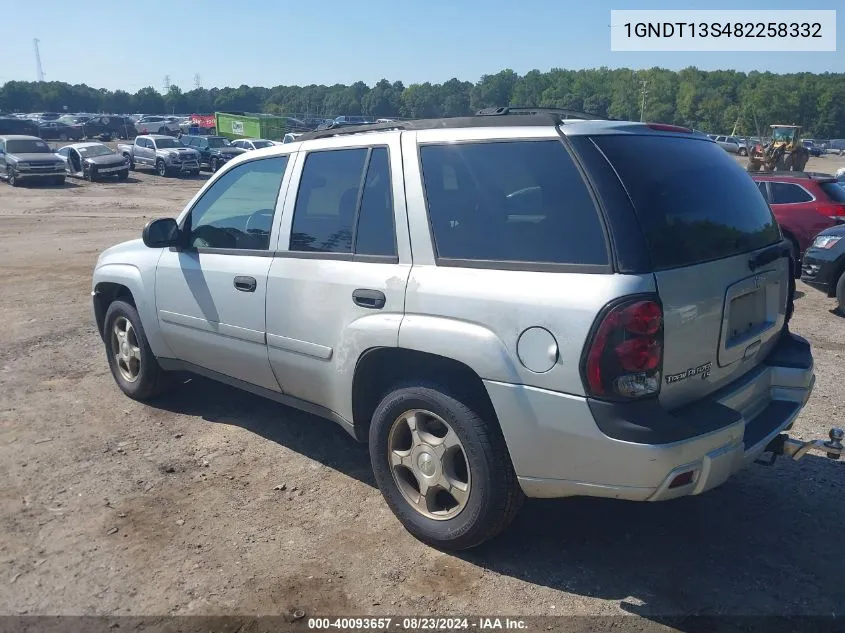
(834, 191)
(510, 201)
(694, 202)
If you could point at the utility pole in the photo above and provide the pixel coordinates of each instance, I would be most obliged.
(38, 60)
(166, 84)
(197, 82)
(645, 94)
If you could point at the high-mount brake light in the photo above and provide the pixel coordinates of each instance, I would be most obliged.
(624, 358)
(665, 127)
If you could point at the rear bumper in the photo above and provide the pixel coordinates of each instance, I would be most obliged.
(559, 450)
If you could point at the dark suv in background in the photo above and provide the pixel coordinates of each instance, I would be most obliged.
(215, 151)
(109, 126)
(12, 125)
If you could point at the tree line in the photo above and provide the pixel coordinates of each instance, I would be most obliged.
(714, 101)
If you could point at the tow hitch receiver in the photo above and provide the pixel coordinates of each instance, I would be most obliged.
(796, 449)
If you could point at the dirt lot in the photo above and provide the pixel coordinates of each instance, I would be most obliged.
(113, 507)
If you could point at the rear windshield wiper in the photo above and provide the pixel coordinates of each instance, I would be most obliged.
(767, 256)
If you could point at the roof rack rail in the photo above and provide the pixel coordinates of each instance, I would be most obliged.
(562, 113)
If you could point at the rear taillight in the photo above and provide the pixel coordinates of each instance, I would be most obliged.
(833, 211)
(624, 356)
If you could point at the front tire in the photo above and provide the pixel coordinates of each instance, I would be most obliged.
(444, 471)
(840, 294)
(161, 168)
(123, 175)
(213, 165)
(12, 177)
(133, 365)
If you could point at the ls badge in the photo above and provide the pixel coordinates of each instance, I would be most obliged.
(701, 370)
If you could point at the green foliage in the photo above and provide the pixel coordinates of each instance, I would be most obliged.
(714, 101)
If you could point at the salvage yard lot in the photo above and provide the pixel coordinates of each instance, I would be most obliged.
(215, 501)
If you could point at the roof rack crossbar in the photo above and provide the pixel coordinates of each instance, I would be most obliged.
(562, 113)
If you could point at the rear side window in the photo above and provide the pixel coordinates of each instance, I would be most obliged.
(833, 191)
(694, 202)
(333, 213)
(788, 193)
(510, 201)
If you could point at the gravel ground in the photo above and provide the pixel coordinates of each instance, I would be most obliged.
(214, 501)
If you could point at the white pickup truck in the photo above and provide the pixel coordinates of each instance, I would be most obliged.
(163, 153)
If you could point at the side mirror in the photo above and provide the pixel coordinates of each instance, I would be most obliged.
(161, 233)
(54, 149)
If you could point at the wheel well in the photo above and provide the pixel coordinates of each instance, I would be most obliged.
(380, 369)
(105, 294)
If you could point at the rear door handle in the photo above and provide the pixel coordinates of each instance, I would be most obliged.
(245, 284)
(367, 298)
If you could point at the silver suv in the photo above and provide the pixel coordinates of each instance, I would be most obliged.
(501, 306)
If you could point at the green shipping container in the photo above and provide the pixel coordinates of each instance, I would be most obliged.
(234, 125)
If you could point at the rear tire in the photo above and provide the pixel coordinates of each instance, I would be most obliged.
(195, 173)
(59, 181)
(743, 151)
(123, 175)
(142, 378)
(492, 494)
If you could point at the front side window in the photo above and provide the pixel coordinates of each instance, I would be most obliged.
(237, 210)
(333, 213)
(510, 201)
(787, 193)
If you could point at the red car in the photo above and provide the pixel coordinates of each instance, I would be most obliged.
(804, 204)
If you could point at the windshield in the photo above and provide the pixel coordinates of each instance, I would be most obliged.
(260, 144)
(94, 150)
(166, 143)
(219, 142)
(781, 135)
(694, 202)
(27, 147)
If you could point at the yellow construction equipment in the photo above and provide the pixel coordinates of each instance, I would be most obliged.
(785, 151)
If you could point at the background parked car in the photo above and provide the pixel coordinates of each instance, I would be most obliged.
(157, 125)
(58, 131)
(252, 143)
(29, 158)
(824, 264)
(93, 161)
(215, 151)
(814, 149)
(732, 144)
(803, 205)
(10, 125)
(108, 127)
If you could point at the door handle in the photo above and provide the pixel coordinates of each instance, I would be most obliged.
(366, 298)
(245, 284)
